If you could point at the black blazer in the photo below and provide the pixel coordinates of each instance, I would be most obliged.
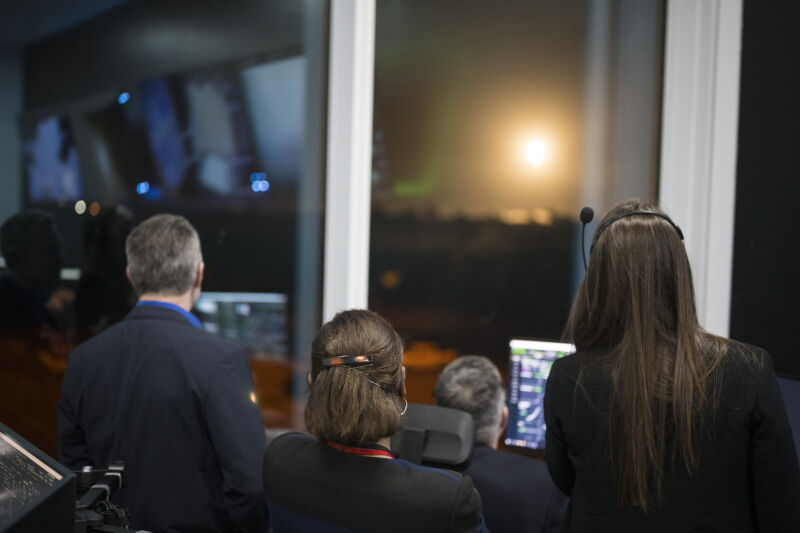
(313, 487)
(174, 403)
(516, 492)
(747, 479)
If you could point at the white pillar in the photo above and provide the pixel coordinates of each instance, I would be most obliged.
(349, 163)
(699, 143)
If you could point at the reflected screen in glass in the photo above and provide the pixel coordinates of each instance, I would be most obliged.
(256, 321)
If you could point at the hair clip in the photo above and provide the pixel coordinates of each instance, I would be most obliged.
(347, 360)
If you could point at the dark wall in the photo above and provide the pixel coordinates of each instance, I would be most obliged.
(766, 262)
(146, 38)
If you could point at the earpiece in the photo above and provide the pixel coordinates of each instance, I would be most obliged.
(587, 214)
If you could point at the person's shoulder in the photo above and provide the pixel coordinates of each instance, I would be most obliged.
(428, 476)
(187, 338)
(445, 494)
(150, 333)
(289, 448)
(91, 353)
(289, 457)
(522, 461)
(742, 350)
(569, 364)
(745, 363)
(290, 441)
(511, 464)
(564, 371)
(210, 340)
(98, 345)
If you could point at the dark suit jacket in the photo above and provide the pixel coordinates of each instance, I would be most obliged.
(517, 492)
(174, 403)
(747, 479)
(314, 487)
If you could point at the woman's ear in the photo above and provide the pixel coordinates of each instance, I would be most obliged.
(402, 389)
(308, 379)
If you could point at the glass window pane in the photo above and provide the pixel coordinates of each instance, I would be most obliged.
(215, 113)
(492, 128)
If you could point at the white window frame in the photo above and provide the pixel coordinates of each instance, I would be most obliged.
(700, 120)
(698, 147)
(349, 160)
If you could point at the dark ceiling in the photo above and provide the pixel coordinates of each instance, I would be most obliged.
(23, 22)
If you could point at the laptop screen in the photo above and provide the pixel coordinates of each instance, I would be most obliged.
(528, 369)
(36, 493)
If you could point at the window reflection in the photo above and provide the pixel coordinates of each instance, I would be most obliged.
(492, 128)
(231, 136)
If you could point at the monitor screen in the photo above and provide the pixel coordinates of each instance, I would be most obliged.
(32, 486)
(528, 369)
(52, 167)
(223, 133)
(255, 320)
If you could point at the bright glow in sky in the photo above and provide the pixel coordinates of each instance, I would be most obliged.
(535, 152)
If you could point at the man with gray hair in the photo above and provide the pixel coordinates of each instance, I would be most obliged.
(517, 492)
(174, 403)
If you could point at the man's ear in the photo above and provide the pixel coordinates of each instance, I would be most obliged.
(503, 424)
(128, 272)
(198, 280)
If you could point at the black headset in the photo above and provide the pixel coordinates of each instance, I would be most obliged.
(587, 214)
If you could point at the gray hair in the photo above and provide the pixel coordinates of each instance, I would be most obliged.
(473, 384)
(163, 255)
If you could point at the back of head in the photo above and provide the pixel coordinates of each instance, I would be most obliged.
(355, 404)
(104, 239)
(163, 255)
(635, 314)
(638, 283)
(31, 247)
(473, 384)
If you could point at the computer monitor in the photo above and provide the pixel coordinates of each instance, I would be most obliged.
(52, 166)
(36, 492)
(255, 320)
(528, 369)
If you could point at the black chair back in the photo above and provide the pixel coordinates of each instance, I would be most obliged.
(436, 436)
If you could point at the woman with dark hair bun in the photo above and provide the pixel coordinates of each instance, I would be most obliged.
(654, 424)
(347, 478)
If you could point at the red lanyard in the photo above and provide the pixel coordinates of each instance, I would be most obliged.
(364, 452)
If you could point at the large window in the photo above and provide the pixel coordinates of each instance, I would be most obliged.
(492, 128)
(217, 114)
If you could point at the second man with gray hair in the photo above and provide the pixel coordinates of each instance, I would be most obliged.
(516, 491)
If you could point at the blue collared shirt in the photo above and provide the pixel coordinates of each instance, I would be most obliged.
(166, 305)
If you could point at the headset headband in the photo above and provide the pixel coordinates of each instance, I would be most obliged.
(610, 221)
